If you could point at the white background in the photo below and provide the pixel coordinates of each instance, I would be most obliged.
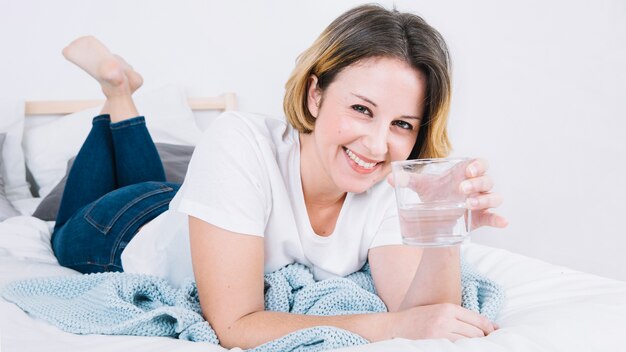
(539, 91)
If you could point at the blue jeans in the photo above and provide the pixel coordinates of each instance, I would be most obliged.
(116, 185)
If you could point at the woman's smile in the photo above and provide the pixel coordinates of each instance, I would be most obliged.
(360, 163)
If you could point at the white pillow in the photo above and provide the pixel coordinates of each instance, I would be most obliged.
(13, 168)
(6, 208)
(48, 147)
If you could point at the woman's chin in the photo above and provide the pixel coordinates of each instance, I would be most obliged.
(359, 186)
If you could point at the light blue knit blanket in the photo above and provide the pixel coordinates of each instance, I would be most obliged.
(142, 305)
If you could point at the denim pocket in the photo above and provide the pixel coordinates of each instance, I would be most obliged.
(134, 200)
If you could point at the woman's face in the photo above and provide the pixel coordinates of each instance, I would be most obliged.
(367, 117)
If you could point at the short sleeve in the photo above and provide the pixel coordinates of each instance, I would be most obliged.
(389, 230)
(226, 183)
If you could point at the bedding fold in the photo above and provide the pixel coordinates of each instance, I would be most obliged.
(142, 305)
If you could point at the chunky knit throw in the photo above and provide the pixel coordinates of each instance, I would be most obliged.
(132, 304)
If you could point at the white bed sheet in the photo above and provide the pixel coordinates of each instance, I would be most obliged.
(548, 307)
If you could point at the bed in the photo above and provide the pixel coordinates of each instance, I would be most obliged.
(547, 307)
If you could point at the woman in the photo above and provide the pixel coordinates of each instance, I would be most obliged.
(261, 193)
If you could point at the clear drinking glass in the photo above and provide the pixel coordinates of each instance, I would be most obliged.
(431, 206)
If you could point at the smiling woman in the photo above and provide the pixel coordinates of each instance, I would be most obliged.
(373, 88)
(516, 88)
(262, 193)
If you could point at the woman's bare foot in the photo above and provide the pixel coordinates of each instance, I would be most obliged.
(117, 78)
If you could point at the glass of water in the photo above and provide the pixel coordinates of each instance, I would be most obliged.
(431, 205)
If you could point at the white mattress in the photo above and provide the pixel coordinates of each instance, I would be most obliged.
(548, 307)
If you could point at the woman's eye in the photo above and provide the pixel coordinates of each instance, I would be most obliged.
(403, 124)
(362, 109)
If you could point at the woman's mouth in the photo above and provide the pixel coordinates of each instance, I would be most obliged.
(358, 163)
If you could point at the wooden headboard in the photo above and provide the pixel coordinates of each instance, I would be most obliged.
(226, 101)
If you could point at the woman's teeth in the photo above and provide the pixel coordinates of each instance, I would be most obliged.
(359, 162)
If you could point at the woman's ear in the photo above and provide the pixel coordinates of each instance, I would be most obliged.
(314, 96)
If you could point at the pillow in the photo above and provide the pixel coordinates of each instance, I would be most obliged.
(48, 147)
(6, 209)
(13, 169)
(175, 159)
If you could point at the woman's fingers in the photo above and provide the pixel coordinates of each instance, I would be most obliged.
(485, 218)
(445, 320)
(476, 185)
(484, 201)
(454, 336)
(475, 320)
(477, 188)
(477, 167)
(464, 329)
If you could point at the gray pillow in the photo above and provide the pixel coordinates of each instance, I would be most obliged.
(175, 159)
(6, 209)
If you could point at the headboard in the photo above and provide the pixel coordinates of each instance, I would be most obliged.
(226, 101)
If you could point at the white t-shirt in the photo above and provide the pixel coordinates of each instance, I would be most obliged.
(244, 177)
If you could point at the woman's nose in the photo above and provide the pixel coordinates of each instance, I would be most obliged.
(376, 141)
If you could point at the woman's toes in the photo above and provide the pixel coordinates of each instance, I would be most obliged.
(85, 52)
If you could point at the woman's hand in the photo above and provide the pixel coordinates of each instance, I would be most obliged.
(473, 183)
(447, 320)
(477, 186)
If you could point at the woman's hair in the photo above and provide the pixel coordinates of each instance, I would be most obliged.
(370, 31)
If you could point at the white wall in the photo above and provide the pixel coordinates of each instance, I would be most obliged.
(540, 91)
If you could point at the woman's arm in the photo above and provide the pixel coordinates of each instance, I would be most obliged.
(407, 276)
(424, 287)
(228, 268)
(229, 273)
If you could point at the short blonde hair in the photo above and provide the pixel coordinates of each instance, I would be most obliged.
(370, 31)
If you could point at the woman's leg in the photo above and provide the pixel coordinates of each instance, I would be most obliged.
(136, 156)
(93, 173)
(118, 150)
(117, 182)
(94, 237)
